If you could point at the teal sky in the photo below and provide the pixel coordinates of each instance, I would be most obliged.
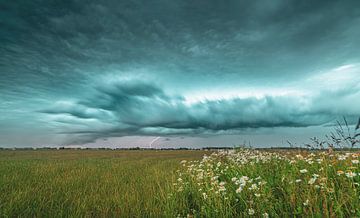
(183, 73)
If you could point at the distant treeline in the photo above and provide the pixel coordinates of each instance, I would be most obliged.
(86, 148)
(181, 148)
(117, 148)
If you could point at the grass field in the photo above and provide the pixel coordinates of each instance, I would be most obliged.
(69, 183)
(235, 183)
(255, 183)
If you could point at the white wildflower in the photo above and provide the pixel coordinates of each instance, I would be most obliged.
(312, 181)
(306, 203)
(342, 157)
(239, 189)
(303, 171)
(262, 183)
(253, 187)
(350, 174)
(214, 178)
(251, 211)
(204, 195)
(355, 161)
(245, 178)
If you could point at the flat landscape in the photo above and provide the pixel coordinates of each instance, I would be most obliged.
(77, 183)
(182, 108)
(179, 183)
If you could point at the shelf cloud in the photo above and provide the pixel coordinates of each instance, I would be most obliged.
(134, 107)
(80, 71)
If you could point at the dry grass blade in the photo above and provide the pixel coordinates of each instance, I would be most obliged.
(358, 124)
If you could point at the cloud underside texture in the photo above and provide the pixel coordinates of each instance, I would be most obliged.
(135, 107)
(63, 50)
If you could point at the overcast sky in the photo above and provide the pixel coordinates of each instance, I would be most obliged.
(194, 73)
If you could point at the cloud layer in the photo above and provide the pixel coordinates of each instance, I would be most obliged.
(134, 107)
(107, 68)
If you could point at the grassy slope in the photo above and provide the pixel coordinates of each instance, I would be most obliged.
(87, 183)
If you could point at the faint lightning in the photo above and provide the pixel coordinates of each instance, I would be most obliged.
(154, 140)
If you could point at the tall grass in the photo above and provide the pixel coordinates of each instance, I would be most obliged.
(234, 183)
(268, 184)
(87, 183)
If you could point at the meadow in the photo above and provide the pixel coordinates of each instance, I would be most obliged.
(87, 183)
(228, 183)
(246, 182)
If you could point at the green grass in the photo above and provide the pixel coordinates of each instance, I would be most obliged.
(70, 183)
(87, 183)
(268, 184)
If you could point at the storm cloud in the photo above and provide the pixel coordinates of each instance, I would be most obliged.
(77, 71)
(133, 107)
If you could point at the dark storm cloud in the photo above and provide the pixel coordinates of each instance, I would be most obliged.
(51, 41)
(56, 55)
(138, 108)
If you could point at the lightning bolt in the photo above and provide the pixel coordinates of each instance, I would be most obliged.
(152, 142)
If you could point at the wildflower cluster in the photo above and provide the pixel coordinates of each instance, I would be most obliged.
(264, 184)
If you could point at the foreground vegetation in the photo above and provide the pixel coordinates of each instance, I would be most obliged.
(247, 182)
(75, 183)
(232, 183)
